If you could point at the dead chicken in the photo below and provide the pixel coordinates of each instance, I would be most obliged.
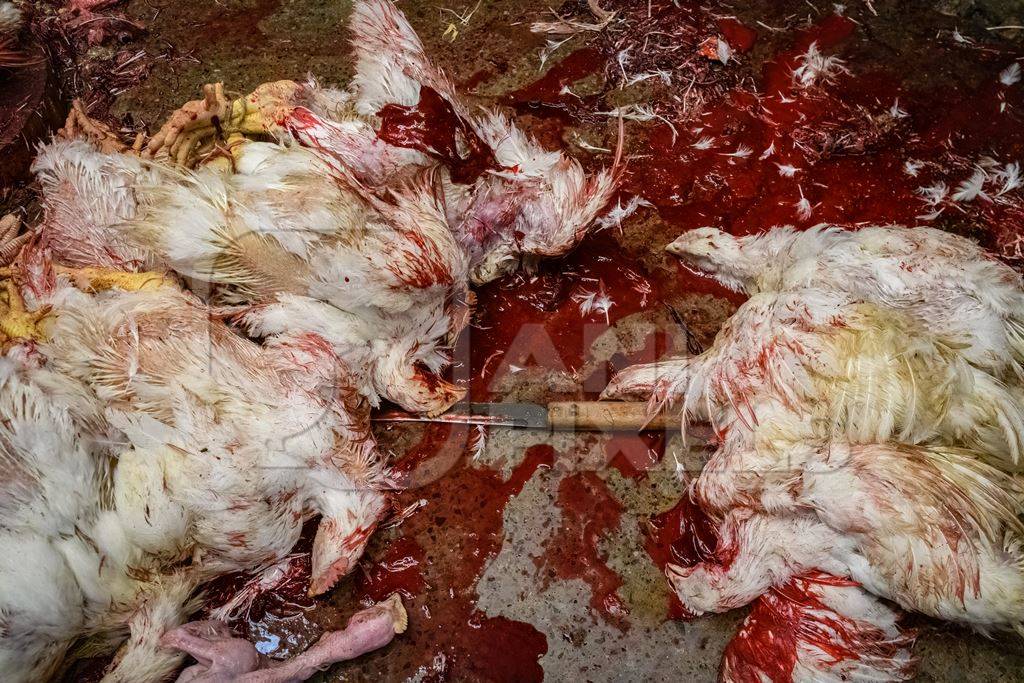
(794, 501)
(949, 284)
(286, 235)
(818, 628)
(852, 437)
(508, 200)
(224, 448)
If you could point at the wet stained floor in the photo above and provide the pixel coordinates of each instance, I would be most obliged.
(525, 555)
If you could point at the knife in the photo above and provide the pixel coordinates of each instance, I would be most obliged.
(560, 416)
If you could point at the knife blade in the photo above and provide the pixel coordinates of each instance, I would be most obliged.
(605, 416)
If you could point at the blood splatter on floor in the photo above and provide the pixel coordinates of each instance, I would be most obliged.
(894, 132)
(853, 143)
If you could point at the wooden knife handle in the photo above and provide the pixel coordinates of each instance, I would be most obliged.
(607, 416)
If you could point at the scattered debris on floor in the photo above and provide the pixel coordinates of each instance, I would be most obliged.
(520, 555)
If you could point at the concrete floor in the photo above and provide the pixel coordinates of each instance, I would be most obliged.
(247, 42)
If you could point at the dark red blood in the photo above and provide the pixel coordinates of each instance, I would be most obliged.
(683, 536)
(396, 570)
(858, 180)
(740, 37)
(589, 513)
(794, 616)
(827, 34)
(534, 321)
(433, 127)
(573, 67)
(437, 559)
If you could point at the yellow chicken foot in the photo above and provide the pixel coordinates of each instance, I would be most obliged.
(198, 120)
(19, 324)
(224, 155)
(16, 323)
(99, 279)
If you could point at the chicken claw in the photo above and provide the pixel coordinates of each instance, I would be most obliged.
(198, 120)
(222, 658)
(99, 279)
(10, 241)
(17, 323)
(81, 125)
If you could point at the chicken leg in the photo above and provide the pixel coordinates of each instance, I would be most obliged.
(198, 120)
(100, 279)
(222, 658)
(81, 125)
(10, 241)
(19, 323)
(16, 322)
(164, 604)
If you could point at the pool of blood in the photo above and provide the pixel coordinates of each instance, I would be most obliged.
(847, 149)
(848, 152)
(589, 513)
(683, 536)
(535, 320)
(435, 558)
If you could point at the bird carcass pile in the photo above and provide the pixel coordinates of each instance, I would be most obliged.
(196, 330)
(869, 410)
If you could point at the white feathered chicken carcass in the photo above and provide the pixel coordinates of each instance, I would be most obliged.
(857, 433)
(947, 283)
(223, 447)
(507, 199)
(796, 498)
(68, 567)
(287, 234)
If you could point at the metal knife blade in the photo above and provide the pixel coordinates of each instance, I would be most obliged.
(599, 416)
(514, 415)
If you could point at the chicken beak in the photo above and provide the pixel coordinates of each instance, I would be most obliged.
(325, 579)
(677, 248)
(422, 391)
(336, 549)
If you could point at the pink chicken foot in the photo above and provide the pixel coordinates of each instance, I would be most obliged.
(223, 658)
